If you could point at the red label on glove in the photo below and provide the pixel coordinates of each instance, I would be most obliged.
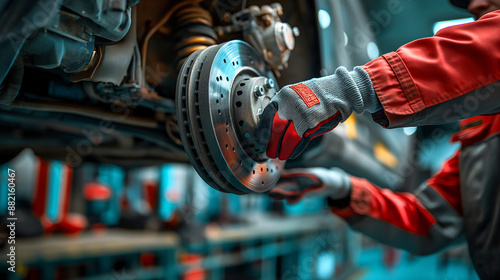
(306, 94)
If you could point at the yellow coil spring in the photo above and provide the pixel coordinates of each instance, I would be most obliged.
(194, 31)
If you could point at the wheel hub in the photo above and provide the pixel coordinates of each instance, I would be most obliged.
(221, 92)
(252, 94)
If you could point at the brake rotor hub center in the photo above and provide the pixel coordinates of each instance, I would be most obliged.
(251, 94)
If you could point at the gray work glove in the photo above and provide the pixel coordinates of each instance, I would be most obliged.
(300, 112)
(294, 184)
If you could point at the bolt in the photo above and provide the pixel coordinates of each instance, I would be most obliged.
(269, 83)
(254, 9)
(266, 19)
(278, 8)
(259, 90)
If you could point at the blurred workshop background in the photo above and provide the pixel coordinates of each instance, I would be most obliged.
(98, 220)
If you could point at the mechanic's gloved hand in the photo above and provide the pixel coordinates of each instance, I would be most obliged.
(300, 112)
(297, 183)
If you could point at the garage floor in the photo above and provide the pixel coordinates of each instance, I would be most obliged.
(408, 267)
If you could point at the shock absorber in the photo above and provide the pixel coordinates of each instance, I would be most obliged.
(194, 31)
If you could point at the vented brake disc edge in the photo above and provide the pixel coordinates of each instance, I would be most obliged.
(183, 100)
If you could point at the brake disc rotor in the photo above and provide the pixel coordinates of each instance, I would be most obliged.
(221, 92)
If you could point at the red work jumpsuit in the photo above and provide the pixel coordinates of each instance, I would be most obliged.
(453, 75)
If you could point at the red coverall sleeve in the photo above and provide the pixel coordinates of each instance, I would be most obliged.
(457, 61)
(422, 222)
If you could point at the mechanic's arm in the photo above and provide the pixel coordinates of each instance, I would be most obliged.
(422, 222)
(452, 75)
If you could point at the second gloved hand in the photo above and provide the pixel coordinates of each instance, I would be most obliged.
(300, 112)
(314, 182)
